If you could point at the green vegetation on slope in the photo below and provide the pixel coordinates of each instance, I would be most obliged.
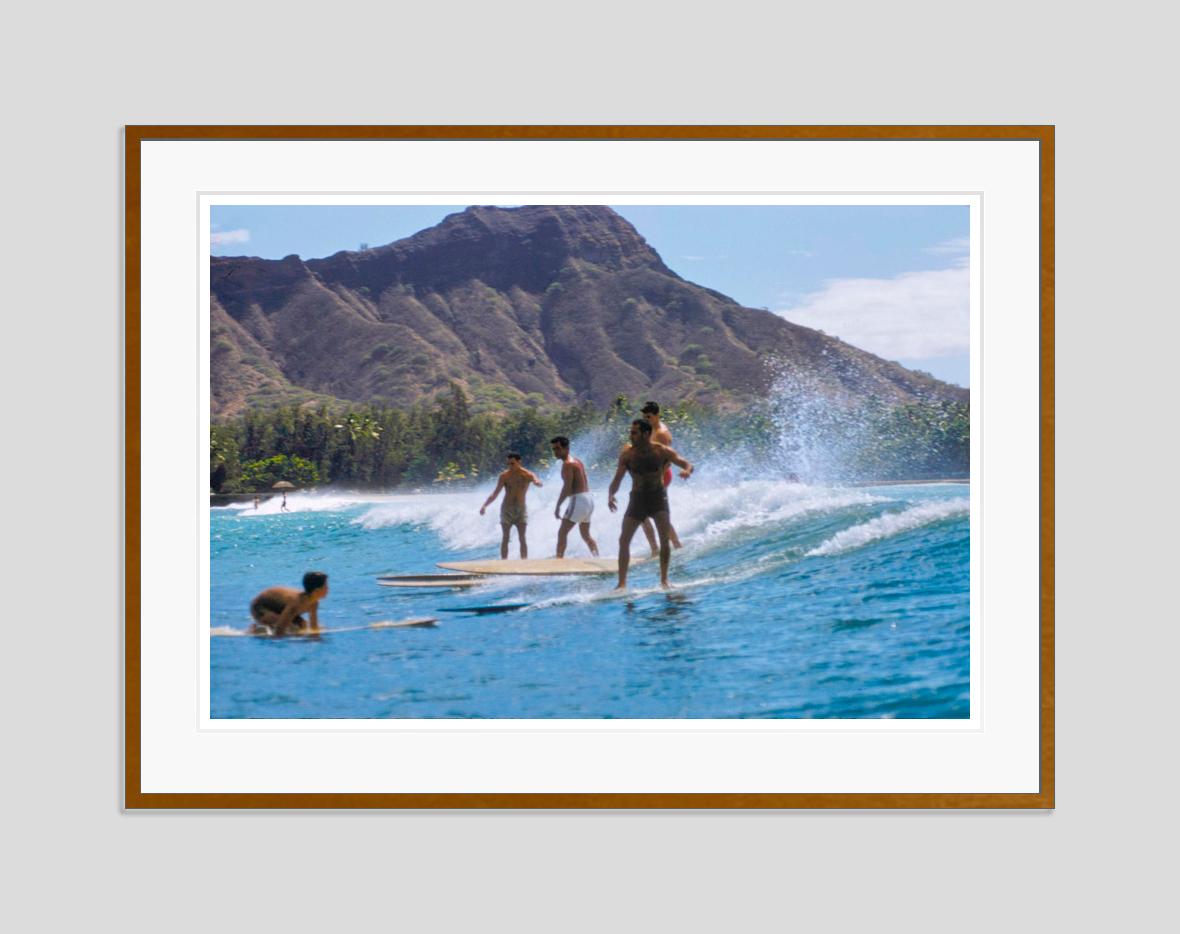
(446, 441)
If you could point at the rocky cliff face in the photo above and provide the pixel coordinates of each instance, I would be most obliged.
(555, 304)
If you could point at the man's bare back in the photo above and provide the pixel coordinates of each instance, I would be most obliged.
(573, 473)
(279, 610)
(516, 482)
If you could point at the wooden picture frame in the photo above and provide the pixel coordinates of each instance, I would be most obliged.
(141, 670)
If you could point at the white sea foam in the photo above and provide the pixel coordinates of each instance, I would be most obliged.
(714, 516)
(453, 516)
(598, 592)
(308, 502)
(892, 524)
(705, 514)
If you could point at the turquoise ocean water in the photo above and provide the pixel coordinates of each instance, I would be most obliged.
(789, 601)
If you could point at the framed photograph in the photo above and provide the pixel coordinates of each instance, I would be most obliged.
(589, 467)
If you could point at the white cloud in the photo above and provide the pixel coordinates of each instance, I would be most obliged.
(912, 315)
(219, 237)
(958, 249)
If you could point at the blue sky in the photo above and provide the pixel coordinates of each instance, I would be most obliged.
(892, 280)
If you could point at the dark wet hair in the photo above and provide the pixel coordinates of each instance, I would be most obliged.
(650, 408)
(314, 580)
(513, 456)
(560, 439)
(643, 425)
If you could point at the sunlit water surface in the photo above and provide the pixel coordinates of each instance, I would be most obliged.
(789, 601)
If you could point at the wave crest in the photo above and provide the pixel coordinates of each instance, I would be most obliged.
(891, 524)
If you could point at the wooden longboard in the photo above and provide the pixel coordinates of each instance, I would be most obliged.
(314, 633)
(539, 566)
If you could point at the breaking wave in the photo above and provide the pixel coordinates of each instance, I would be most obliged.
(891, 524)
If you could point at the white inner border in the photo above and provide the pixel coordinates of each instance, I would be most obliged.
(996, 751)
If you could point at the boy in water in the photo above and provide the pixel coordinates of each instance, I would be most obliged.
(576, 487)
(278, 610)
(646, 462)
(515, 483)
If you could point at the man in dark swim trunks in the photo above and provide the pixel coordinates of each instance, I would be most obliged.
(278, 611)
(660, 434)
(645, 461)
(575, 493)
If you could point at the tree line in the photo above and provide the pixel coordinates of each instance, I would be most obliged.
(443, 441)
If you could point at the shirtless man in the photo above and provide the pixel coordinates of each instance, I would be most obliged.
(576, 488)
(515, 483)
(279, 611)
(660, 434)
(645, 461)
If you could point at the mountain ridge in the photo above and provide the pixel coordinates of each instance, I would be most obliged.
(536, 304)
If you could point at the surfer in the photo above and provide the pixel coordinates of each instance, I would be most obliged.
(660, 434)
(278, 610)
(515, 483)
(645, 461)
(576, 488)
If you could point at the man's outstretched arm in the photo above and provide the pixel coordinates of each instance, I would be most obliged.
(679, 461)
(614, 484)
(567, 479)
(496, 492)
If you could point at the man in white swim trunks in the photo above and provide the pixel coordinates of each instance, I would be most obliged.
(576, 488)
(515, 483)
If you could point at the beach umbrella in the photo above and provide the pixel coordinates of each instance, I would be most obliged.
(283, 485)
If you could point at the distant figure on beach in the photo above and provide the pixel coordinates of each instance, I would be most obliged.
(283, 507)
(645, 461)
(660, 434)
(257, 500)
(515, 483)
(576, 488)
(278, 611)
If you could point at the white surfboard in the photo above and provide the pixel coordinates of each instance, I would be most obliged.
(224, 631)
(445, 578)
(539, 566)
(437, 584)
